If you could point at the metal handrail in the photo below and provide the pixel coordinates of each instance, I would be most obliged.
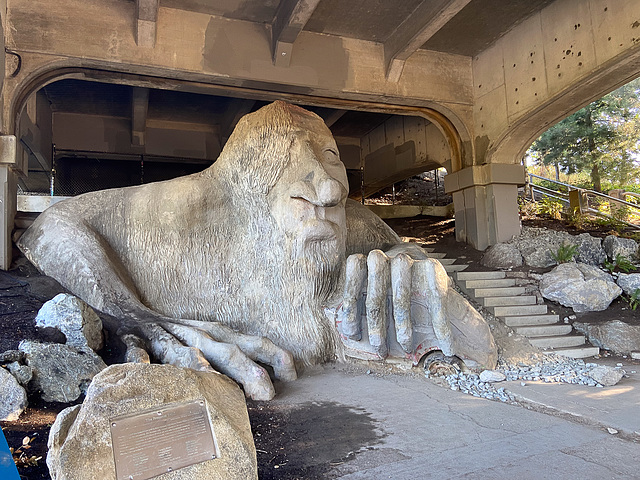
(571, 187)
(631, 194)
(617, 200)
(550, 193)
(592, 192)
(561, 196)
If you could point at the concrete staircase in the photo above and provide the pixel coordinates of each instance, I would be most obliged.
(448, 263)
(510, 303)
(501, 296)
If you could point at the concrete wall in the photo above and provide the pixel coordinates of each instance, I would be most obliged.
(567, 55)
(221, 51)
(36, 131)
(558, 60)
(401, 147)
(100, 133)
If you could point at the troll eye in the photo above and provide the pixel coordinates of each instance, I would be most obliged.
(331, 154)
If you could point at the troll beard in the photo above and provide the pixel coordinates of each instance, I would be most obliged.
(313, 273)
(293, 279)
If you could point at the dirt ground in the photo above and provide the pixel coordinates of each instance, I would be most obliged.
(279, 431)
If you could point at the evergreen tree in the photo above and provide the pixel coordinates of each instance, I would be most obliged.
(601, 138)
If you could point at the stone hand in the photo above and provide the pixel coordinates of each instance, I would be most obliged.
(395, 300)
(211, 346)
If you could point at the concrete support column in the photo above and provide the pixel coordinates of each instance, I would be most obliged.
(8, 198)
(485, 199)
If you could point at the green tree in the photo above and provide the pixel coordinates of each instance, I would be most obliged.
(601, 138)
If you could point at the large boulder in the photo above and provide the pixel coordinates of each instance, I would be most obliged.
(619, 337)
(73, 317)
(13, 398)
(502, 255)
(60, 372)
(537, 244)
(582, 287)
(629, 282)
(626, 247)
(605, 375)
(80, 442)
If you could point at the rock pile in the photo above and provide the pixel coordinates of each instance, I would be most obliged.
(535, 246)
(58, 372)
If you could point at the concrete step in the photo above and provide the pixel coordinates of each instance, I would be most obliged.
(576, 352)
(428, 249)
(480, 276)
(544, 330)
(524, 320)
(496, 292)
(510, 300)
(501, 282)
(436, 255)
(455, 268)
(561, 341)
(518, 310)
(446, 261)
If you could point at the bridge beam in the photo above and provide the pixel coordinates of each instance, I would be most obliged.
(414, 32)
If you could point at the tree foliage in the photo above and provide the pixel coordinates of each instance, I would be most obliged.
(601, 138)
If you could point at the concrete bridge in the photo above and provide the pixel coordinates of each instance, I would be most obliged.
(405, 86)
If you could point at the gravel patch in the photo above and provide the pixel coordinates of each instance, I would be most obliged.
(552, 369)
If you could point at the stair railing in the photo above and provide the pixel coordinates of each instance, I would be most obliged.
(581, 198)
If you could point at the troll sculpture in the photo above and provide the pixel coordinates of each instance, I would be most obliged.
(258, 259)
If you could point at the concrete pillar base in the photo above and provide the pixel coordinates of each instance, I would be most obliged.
(485, 200)
(8, 194)
(8, 198)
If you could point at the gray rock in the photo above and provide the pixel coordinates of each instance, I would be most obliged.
(13, 398)
(492, 376)
(607, 376)
(23, 373)
(11, 356)
(536, 245)
(80, 440)
(582, 287)
(62, 373)
(619, 337)
(502, 255)
(626, 247)
(629, 282)
(73, 317)
(590, 249)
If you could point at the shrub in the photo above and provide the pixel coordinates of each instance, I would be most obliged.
(633, 300)
(551, 207)
(620, 263)
(565, 253)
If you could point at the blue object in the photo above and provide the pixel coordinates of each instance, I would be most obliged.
(8, 470)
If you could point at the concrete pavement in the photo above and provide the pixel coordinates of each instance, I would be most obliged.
(616, 407)
(424, 431)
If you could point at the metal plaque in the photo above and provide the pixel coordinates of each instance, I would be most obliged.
(162, 440)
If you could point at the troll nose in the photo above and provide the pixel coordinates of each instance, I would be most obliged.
(320, 190)
(329, 192)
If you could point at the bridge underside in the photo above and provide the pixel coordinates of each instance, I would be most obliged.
(404, 86)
